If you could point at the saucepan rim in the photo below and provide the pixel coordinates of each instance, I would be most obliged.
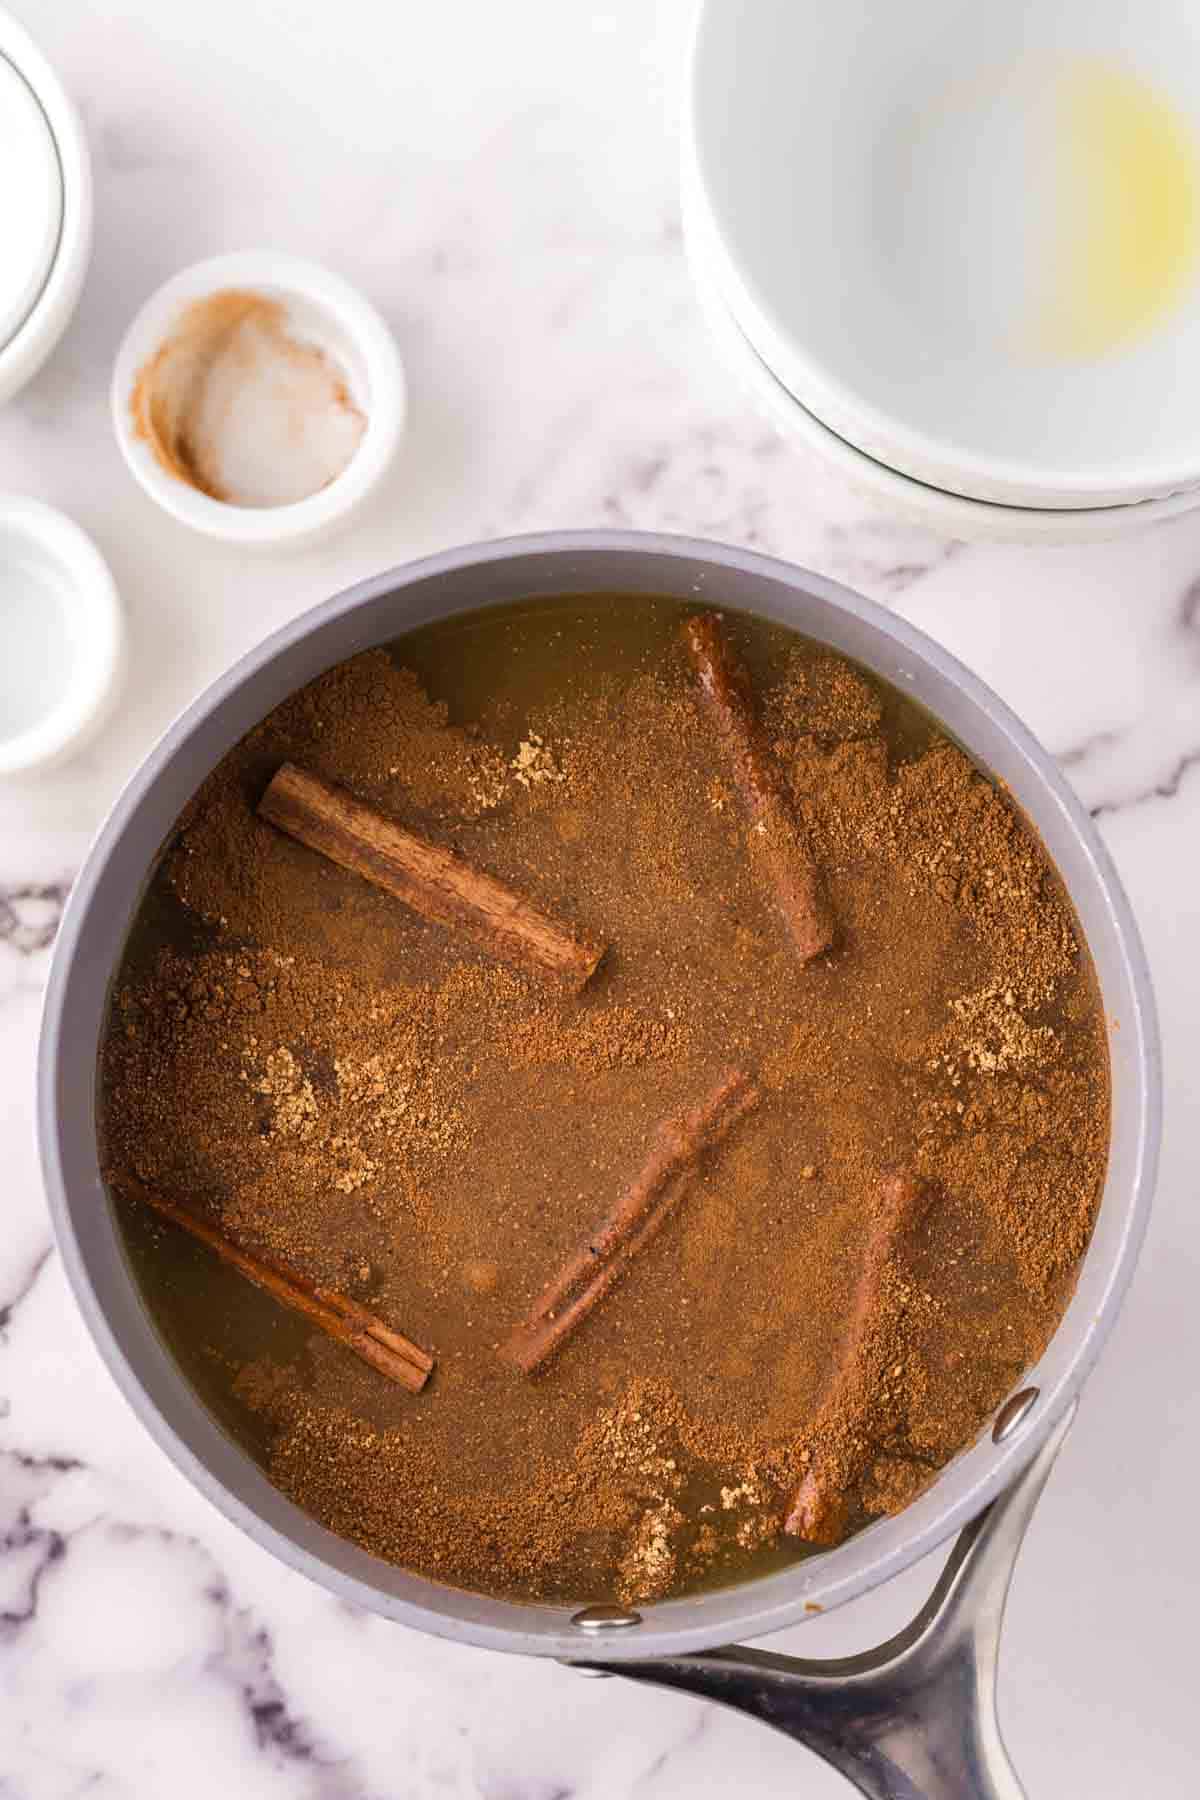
(137, 1357)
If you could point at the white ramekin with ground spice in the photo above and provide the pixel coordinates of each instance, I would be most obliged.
(258, 398)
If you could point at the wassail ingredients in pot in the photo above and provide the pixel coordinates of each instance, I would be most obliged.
(654, 1077)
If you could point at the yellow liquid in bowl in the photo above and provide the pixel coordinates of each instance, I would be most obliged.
(1127, 229)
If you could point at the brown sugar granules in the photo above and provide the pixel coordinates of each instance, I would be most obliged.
(820, 695)
(339, 1084)
(615, 1499)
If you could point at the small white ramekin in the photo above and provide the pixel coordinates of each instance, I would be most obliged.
(23, 354)
(351, 328)
(42, 547)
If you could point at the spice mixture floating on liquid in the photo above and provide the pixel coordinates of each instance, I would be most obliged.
(654, 1076)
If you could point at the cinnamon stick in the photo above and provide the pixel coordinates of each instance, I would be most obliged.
(820, 1509)
(433, 881)
(335, 1314)
(676, 1150)
(778, 841)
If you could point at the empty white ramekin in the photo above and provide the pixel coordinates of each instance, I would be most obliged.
(327, 311)
(63, 636)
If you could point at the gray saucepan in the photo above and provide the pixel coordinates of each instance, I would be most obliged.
(915, 1718)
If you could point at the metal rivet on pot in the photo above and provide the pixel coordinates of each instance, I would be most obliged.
(605, 1618)
(1015, 1409)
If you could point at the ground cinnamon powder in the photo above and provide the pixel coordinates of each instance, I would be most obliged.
(238, 406)
(350, 1089)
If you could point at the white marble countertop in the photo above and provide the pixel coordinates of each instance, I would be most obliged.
(501, 180)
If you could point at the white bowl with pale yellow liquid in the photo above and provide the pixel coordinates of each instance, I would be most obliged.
(966, 238)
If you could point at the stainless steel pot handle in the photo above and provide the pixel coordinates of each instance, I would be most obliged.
(914, 1719)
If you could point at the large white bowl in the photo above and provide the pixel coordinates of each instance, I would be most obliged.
(887, 193)
(949, 513)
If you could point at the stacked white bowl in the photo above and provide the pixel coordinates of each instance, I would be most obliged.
(956, 249)
(46, 241)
